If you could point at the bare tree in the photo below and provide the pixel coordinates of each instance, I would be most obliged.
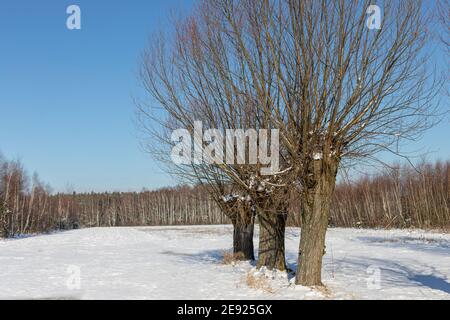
(338, 89)
(157, 141)
(347, 92)
(202, 75)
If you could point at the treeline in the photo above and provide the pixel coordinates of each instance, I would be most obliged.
(398, 198)
(28, 206)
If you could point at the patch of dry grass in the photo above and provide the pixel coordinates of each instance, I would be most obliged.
(231, 258)
(259, 283)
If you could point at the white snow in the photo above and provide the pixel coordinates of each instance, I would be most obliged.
(317, 156)
(229, 197)
(185, 263)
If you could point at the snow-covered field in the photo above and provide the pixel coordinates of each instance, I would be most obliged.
(186, 263)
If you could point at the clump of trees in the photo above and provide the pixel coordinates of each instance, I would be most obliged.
(338, 91)
(23, 205)
(397, 197)
(28, 206)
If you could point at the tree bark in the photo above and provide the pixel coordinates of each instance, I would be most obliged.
(3, 222)
(271, 241)
(243, 240)
(316, 200)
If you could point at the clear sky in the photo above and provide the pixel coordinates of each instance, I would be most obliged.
(66, 105)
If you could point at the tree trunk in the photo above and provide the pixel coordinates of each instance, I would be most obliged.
(3, 222)
(316, 200)
(271, 240)
(243, 240)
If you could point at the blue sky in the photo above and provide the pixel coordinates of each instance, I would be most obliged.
(66, 105)
(66, 95)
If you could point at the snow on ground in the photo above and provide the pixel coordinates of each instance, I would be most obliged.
(186, 263)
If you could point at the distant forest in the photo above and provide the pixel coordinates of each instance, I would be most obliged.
(395, 198)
